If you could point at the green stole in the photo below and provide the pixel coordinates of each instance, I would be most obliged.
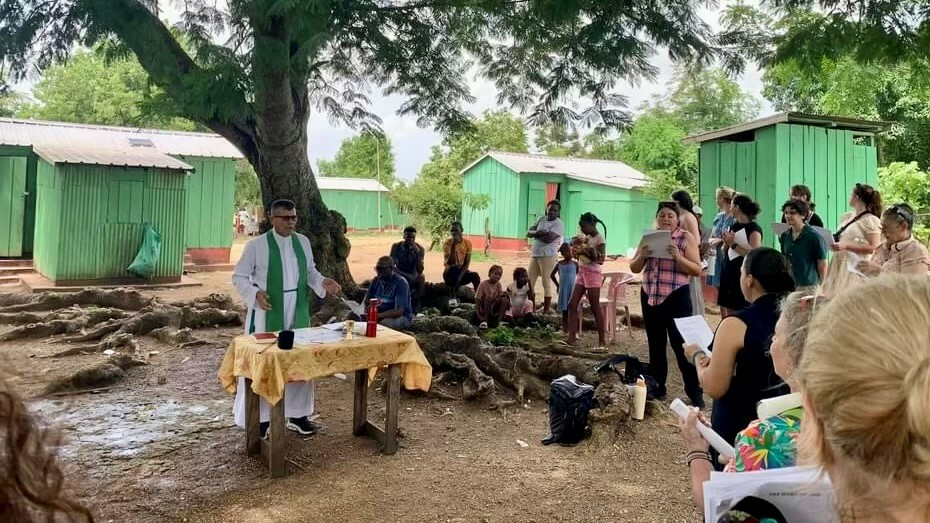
(274, 319)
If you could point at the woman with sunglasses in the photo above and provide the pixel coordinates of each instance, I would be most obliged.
(858, 237)
(900, 252)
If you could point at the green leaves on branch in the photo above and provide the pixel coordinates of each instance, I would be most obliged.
(363, 156)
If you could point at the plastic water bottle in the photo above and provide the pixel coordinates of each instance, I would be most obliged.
(371, 329)
(639, 399)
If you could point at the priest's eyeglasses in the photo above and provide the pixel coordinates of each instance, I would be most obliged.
(287, 218)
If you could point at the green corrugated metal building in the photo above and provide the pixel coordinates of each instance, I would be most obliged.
(357, 200)
(209, 184)
(765, 157)
(92, 207)
(519, 185)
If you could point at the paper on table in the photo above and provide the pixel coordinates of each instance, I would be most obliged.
(658, 242)
(801, 494)
(780, 228)
(360, 327)
(694, 329)
(740, 239)
(826, 235)
(315, 335)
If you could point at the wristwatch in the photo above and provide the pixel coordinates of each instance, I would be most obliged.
(696, 355)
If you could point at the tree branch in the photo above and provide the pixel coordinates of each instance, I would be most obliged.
(163, 58)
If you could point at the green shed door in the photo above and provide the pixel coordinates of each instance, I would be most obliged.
(535, 202)
(12, 204)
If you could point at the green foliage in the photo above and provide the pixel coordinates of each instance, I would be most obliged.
(359, 157)
(502, 336)
(435, 198)
(87, 89)
(558, 140)
(248, 192)
(699, 100)
(706, 98)
(906, 182)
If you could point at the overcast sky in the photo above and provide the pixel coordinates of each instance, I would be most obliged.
(412, 144)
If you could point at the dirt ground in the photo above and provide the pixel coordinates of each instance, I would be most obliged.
(160, 445)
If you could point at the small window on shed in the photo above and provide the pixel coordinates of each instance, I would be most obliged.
(863, 139)
(745, 136)
(141, 142)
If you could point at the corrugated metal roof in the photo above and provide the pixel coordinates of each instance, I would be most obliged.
(349, 184)
(832, 122)
(601, 172)
(78, 136)
(126, 157)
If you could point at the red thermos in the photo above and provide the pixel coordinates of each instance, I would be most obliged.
(371, 329)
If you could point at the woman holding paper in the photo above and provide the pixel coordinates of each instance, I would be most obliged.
(744, 236)
(689, 222)
(866, 381)
(741, 372)
(769, 442)
(666, 296)
(722, 223)
(860, 233)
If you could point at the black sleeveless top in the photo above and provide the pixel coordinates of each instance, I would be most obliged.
(754, 377)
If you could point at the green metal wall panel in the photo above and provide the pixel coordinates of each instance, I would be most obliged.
(102, 214)
(13, 194)
(360, 209)
(626, 213)
(826, 160)
(210, 204)
(506, 212)
(48, 220)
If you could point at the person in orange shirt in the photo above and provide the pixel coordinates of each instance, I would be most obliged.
(457, 256)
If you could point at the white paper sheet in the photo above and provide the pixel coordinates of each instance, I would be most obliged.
(356, 307)
(826, 235)
(740, 239)
(316, 335)
(694, 329)
(801, 494)
(658, 242)
(852, 263)
(780, 228)
(360, 327)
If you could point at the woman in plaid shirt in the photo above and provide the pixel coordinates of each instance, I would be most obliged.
(666, 296)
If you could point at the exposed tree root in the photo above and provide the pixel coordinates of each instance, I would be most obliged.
(95, 376)
(68, 321)
(125, 299)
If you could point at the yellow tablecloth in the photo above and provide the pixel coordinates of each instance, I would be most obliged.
(271, 369)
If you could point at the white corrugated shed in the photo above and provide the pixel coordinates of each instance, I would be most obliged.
(127, 157)
(98, 137)
(349, 184)
(602, 172)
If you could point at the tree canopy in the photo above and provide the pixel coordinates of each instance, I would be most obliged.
(254, 70)
(368, 155)
(89, 89)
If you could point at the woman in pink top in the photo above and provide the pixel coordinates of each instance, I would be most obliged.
(590, 250)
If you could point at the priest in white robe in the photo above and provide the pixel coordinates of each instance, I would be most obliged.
(274, 276)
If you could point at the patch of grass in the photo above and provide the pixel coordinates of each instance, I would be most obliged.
(478, 256)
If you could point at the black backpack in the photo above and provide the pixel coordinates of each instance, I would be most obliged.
(569, 403)
(633, 369)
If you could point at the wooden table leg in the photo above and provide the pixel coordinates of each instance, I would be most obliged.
(360, 412)
(277, 444)
(393, 404)
(253, 443)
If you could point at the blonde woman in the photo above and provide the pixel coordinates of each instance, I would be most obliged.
(865, 374)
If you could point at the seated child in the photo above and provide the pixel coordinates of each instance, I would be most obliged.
(567, 270)
(490, 301)
(522, 298)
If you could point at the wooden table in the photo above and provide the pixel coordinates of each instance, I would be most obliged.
(253, 359)
(274, 447)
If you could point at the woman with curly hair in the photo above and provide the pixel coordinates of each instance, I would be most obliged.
(31, 482)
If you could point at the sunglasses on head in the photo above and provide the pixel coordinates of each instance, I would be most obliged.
(903, 212)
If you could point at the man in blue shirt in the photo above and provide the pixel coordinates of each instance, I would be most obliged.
(393, 294)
